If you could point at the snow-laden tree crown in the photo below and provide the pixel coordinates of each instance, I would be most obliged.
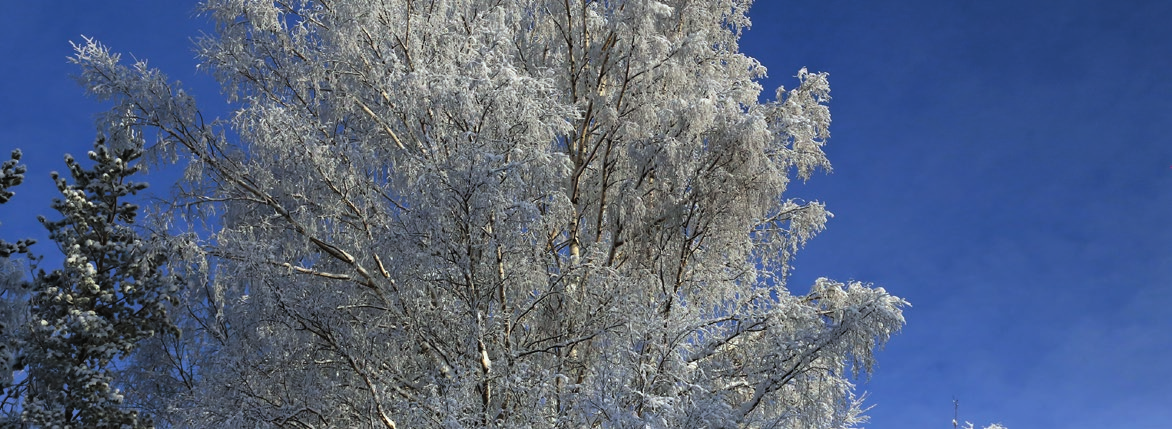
(486, 213)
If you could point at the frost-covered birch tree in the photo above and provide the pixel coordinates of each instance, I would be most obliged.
(486, 213)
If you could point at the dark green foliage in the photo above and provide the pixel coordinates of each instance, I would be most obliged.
(11, 175)
(110, 294)
(12, 300)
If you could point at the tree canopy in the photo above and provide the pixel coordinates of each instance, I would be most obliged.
(471, 213)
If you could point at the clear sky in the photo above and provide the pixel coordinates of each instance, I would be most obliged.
(1005, 165)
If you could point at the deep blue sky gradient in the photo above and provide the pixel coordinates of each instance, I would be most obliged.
(1004, 165)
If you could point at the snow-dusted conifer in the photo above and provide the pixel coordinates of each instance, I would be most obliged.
(13, 314)
(110, 294)
(13, 302)
(481, 213)
(12, 175)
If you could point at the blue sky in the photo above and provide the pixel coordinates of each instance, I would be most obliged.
(1004, 165)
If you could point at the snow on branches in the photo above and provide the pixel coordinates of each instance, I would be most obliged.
(111, 293)
(476, 213)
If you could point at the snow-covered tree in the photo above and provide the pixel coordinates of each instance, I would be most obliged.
(13, 301)
(110, 294)
(11, 175)
(968, 425)
(13, 311)
(485, 213)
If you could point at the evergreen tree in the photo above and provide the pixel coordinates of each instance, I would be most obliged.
(110, 294)
(13, 302)
(12, 175)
